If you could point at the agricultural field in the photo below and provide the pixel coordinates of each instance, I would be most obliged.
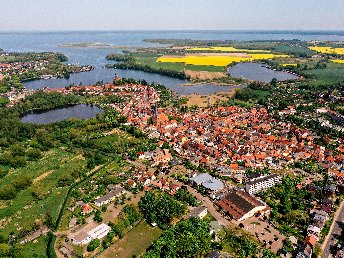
(328, 50)
(227, 49)
(216, 60)
(338, 61)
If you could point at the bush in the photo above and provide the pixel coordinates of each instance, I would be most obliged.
(93, 245)
(8, 193)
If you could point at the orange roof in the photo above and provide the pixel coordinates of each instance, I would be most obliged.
(310, 240)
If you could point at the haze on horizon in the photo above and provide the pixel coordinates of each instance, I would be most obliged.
(18, 15)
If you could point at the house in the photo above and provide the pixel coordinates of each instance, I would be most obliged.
(109, 197)
(262, 183)
(198, 212)
(131, 183)
(86, 209)
(240, 205)
(73, 222)
(306, 252)
(313, 231)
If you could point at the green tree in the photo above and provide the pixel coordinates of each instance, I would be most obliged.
(93, 245)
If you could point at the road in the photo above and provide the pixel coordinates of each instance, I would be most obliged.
(335, 231)
(207, 203)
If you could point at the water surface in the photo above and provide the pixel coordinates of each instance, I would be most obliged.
(258, 72)
(55, 115)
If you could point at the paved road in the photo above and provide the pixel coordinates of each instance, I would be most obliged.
(208, 203)
(335, 231)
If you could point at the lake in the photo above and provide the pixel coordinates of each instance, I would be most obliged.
(107, 75)
(258, 72)
(81, 111)
(51, 41)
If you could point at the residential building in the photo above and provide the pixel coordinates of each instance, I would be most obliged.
(198, 212)
(109, 197)
(262, 183)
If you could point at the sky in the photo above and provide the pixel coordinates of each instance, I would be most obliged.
(23, 15)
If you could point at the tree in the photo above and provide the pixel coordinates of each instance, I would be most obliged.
(274, 82)
(4, 250)
(160, 208)
(97, 217)
(93, 245)
(188, 238)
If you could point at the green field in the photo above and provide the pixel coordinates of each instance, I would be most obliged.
(332, 74)
(134, 242)
(150, 59)
(43, 198)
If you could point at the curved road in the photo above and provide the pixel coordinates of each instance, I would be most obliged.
(335, 231)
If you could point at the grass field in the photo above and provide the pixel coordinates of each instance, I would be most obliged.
(134, 242)
(34, 249)
(31, 205)
(334, 73)
(150, 59)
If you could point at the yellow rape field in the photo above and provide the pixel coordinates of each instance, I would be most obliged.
(328, 50)
(215, 60)
(288, 65)
(338, 61)
(227, 49)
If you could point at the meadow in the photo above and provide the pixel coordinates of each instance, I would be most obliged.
(332, 74)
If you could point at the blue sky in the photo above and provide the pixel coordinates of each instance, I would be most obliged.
(171, 14)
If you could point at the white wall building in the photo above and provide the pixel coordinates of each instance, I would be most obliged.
(262, 183)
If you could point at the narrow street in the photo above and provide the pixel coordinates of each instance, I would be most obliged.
(335, 231)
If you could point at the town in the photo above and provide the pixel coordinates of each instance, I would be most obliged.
(227, 159)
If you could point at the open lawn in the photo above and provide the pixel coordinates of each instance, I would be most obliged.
(134, 242)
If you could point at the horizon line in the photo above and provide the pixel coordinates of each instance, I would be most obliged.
(234, 30)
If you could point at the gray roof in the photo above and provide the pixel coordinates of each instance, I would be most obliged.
(208, 182)
(110, 194)
(196, 211)
(262, 179)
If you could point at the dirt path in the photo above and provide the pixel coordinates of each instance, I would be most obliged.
(37, 179)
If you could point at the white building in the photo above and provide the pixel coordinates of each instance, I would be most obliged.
(81, 239)
(98, 232)
(262, 183)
